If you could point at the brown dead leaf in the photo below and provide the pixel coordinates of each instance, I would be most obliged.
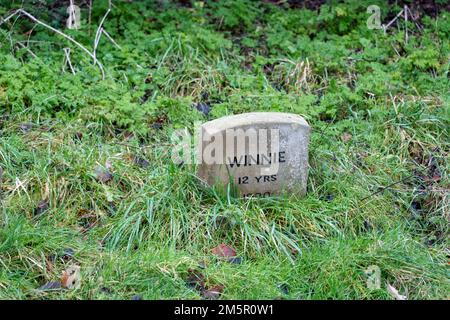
(67, 254)
(78, 136)
(87, 219)
(346, 137)
(41, 208)
(46, 191)
(224, 251)
(103, 175)
(195, 280)
(108, 165)
(25, 127)
(49, 263)
(127, 135)
(141, 162)
(71, 277)
(213, 292)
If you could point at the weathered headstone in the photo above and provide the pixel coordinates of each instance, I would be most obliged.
(261, 154)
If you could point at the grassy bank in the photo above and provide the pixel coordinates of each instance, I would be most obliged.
(87, 179)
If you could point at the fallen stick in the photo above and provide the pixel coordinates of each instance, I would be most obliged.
(392, 21)
(111, 39)
(3, 20)
(406, 23)
(28, 49)
(411, 15)
(67, 54)
(99, 31)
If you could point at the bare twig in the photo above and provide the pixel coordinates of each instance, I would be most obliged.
(396, 51)
(99, 31)
(111, 39)
(3, 20)
(387, 187)
(36, 20)
(31, 17)
(405, 10)
(90, 16)
(411, 15)
(28, 49)
(392, 21)
(67, 60)
(30, 33)
(97, 40)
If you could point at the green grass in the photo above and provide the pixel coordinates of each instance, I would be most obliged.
(142, 232)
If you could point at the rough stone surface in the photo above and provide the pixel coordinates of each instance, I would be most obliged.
(256, 170)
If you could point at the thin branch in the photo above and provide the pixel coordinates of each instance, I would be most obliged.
(386, 187)
(97, 40)
(406, 23)
(393, 20)
(111, 39)
(67, 54)
(31, 17)
(99, 31)
(414, 19)
(90, 16)
(28, 49)
(2, 21)
(30, 33)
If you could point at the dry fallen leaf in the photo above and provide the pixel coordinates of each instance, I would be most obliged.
(195, 280)
(222, 250)
(346, 137)
(213, 292)
(68, 254)
(284, 288)
(1, 181)
(235, 260)
(52, 285)
(71, 277)
(127, 135)
(106, 290)
(141, 162)
(108, 165)
(46, 194)
(78, 136)
(41, 207)
(394, 293)
(203, 107)
(25, 127)
(103, 175)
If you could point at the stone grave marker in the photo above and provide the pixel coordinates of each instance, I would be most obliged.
(261, 154)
